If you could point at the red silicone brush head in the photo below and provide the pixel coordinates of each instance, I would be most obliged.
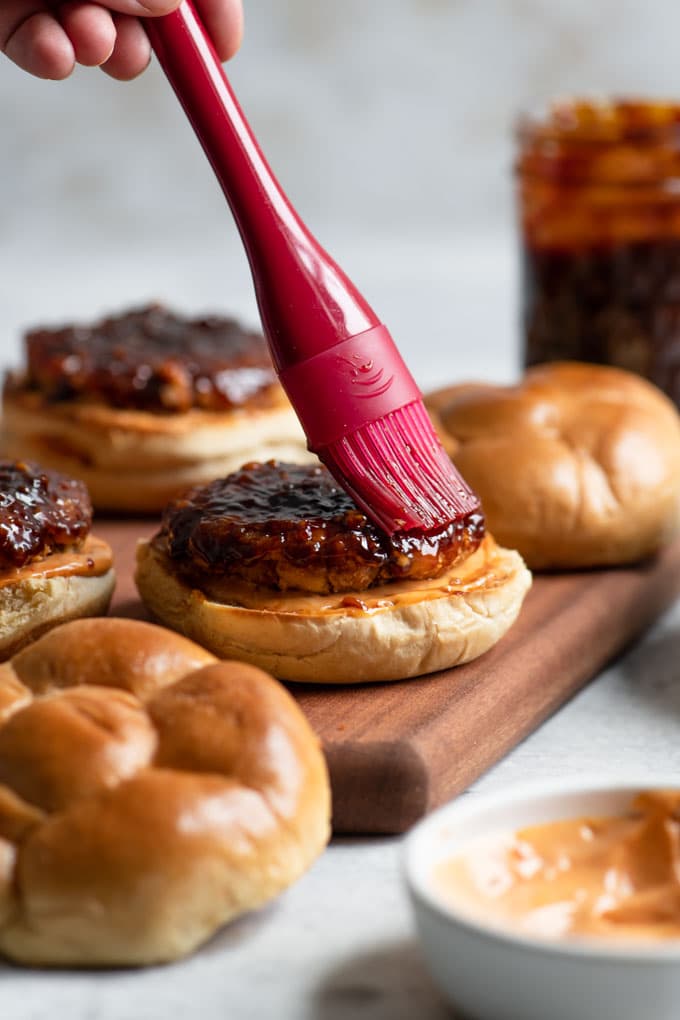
(396, 470)
(364, 416)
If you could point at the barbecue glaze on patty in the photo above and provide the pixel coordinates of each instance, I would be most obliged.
(291, 527)
(41, 512)
(150, 359)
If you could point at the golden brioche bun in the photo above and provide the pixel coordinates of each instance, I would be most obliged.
(398, 630)
(59, 587)
(134, 460)
(148, 794)
(577, 465)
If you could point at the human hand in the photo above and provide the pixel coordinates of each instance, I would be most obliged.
(48, 38)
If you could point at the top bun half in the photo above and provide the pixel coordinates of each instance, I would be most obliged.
(577, 465)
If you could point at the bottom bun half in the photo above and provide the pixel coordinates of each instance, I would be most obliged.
(47, 593)
(396, 631)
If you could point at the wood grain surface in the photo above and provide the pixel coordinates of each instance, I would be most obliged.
(397, 750)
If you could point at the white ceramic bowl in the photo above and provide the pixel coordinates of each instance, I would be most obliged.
(491, 973)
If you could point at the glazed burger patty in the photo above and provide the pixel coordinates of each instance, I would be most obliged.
(41, 512)
(153, 360)
(286, 526)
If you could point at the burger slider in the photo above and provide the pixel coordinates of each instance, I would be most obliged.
(275, 565)
(51, 568)
(144, 404)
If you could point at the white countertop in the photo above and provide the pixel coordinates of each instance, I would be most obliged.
(340, 943)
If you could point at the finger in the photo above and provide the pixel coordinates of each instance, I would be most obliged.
(40, 46)
(131, 53)
(91, 31)
(143, 8)
(13, 13)
(223, 20)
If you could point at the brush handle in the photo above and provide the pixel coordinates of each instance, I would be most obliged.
(306, 302)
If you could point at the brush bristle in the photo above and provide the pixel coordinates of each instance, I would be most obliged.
(396, 470)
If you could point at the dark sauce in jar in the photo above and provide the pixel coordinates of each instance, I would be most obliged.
(599, 201)
(291, 526)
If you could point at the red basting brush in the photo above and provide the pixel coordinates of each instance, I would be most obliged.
(358, 403)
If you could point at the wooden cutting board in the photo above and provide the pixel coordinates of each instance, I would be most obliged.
(397, 750)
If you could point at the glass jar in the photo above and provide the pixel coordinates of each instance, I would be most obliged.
(599, 203)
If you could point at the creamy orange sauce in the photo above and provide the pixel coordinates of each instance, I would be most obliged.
(92, 560)
(480, 570)
(609, 877)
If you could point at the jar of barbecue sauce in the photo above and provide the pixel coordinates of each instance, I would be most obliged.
(599, 204)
